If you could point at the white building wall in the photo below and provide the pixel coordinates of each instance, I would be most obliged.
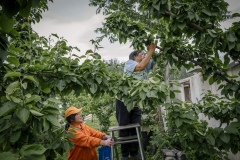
(197, 88)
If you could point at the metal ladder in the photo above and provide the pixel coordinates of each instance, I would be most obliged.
(128, 139)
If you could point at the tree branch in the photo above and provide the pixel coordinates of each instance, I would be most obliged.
(193, 25)
(190, 25)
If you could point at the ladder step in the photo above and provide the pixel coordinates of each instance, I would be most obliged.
(126, 138)
(117, 128)
(127, 141)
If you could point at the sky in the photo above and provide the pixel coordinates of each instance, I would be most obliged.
(75, 21)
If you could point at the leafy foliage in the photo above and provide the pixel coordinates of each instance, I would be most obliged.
(172, 24)
(13, 12)
(36, 74)
(188, 34)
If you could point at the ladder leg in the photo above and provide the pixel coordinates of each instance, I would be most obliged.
(140, 143)
(112, 146)
(116, 152)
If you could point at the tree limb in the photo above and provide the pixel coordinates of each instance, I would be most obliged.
(190, 25)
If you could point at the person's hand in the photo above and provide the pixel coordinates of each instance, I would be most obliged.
(107, 136)
(108, 142)
(151, 47)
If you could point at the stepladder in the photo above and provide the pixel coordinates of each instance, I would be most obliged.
(127, 139)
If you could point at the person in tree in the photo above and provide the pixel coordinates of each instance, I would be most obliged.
(86, 139)
(137, 66)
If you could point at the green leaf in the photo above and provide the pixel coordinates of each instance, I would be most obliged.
(231, 37)
(231, 129)
(188, 121)
(99, 80)
(191, 15)
(211, 80)
(6, 23)
(65, 145)
(53, 120)
(237, 47)
(8, 156)
(188, 115)
(46, 124)
(152, 94)
(134, 92)
(234, 87)
(24, 85)
(32, 149)
(31, 78)
(211, 32)
(156, 6)
(25, 11)
(15, 136)
(34, 157)
(225, 137)
(208, 39)
(55, 35)
(226, 59)
(210, 139)
(61, 85)
(36, 113)
(13, 60)
(199, 132)
(35, 98)
(12, 74)
(12, 87)
(176, 91)
(54, 100)
(7, 108)
(23, 114)
(51, 110)
(234, 15)
(181, 25)
(35, 3)
(172, 94)
(15, 99)
(93, 88)
(124, 89)
(178, 122)
(142, 95)
(231, 45)
(206, 11)
(140, 104)
(6, 126)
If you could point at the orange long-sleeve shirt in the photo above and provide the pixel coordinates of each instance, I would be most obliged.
(85, 142)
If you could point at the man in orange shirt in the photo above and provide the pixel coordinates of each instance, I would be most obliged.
(86, 139)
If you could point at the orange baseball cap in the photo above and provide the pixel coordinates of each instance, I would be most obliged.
(72, 110)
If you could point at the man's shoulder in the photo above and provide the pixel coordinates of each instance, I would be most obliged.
(129, 66)
(130, 61)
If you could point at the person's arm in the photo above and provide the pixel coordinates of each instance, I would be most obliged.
(92, 140)
(143, 64)
(149, 66)
(93, 132)
(83, 140)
